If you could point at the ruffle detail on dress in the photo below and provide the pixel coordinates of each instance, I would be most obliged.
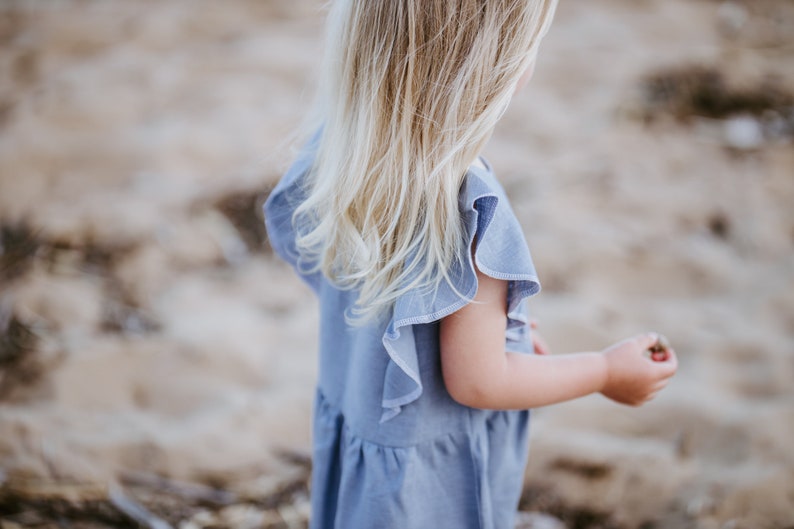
(280, 206)
(500, 252)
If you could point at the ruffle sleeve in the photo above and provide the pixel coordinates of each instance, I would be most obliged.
(279, 208)
(500, 251)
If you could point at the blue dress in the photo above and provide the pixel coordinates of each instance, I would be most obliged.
(391, 448)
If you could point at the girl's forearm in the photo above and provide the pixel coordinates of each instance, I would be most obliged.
(520, 381)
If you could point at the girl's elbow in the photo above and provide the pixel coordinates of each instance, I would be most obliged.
(474, 394)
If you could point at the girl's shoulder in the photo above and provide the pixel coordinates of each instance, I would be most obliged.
(481, 180)
(487, 211)
(495, 242)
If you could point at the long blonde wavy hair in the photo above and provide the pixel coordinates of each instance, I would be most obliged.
(410, 93)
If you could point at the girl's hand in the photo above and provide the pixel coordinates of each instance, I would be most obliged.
(538, 343)
(633, 378)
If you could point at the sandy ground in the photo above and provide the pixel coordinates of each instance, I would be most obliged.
(147, 326)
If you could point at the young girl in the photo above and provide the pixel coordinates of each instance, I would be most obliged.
(427, 367)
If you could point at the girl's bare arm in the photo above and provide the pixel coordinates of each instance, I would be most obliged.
(479, 373)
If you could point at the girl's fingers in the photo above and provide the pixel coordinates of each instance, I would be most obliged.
(670, 364)
(659, 356)
(538, 343)
(652, 395)
(664, 357)
(540, 346)
(646, 341)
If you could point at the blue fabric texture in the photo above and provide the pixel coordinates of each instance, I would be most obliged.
(392, 449)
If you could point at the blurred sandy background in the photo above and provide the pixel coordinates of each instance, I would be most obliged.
(150, 340)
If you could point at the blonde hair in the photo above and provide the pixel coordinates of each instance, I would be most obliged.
(410, 94)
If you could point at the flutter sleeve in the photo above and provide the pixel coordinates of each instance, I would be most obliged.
(499, 250)
(280, 207)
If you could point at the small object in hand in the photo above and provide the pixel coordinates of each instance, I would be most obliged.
(659, 349)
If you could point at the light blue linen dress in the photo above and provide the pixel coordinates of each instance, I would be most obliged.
(391, 449)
